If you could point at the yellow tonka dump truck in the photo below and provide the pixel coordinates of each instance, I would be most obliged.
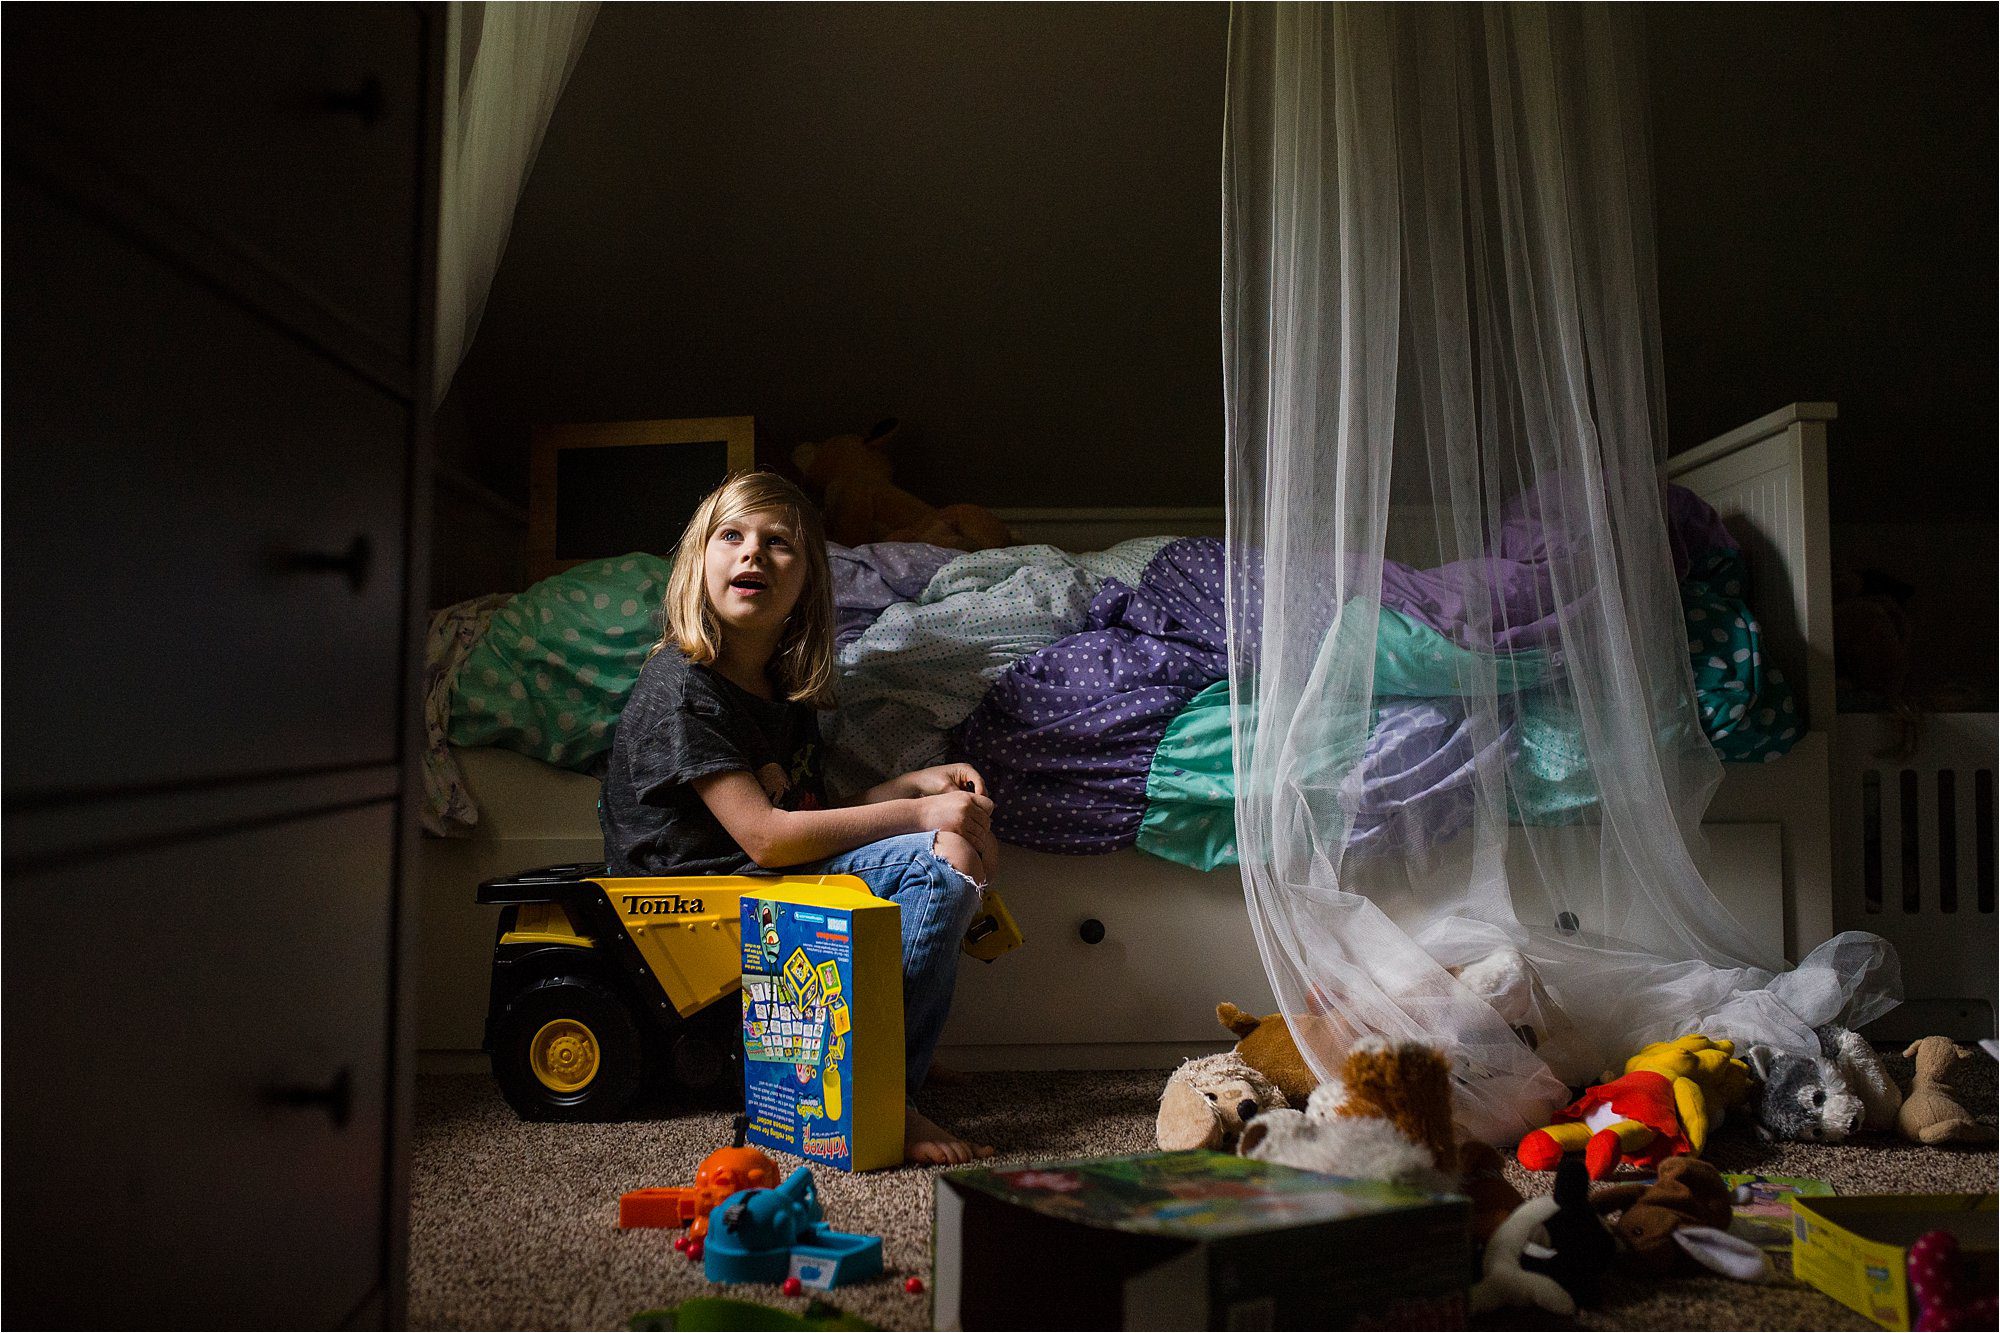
(600, 981)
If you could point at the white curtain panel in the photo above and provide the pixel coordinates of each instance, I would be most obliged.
(1441, 352)
(505, 67)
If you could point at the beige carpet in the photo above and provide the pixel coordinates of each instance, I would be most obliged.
(515, 1225)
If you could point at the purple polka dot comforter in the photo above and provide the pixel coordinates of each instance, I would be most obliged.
(1070, 736)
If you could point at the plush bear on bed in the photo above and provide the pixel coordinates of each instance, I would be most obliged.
(862, 505)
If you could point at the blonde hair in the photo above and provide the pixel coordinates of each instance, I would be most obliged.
(802, 667)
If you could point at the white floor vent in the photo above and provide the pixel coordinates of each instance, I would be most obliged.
(1914, 862)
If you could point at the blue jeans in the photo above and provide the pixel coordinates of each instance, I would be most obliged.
(938, 903)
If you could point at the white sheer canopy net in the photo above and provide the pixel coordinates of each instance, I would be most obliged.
(1442, 372)
(505, 69)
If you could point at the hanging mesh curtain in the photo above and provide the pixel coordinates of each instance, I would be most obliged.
(1441, 358)
(505, 69)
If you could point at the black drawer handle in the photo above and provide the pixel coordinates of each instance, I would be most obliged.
(1091, 931)
(354, 562)
(335, 1098)
(365, 103)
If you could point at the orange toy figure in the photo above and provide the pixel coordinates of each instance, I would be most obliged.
(722, 1173)
(1672, 1095)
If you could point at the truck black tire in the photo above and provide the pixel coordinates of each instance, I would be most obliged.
(707, 1052)
(566, 1048)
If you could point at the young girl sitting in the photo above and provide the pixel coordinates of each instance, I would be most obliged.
(716, 765)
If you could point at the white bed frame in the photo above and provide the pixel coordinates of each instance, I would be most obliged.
(1175, 941)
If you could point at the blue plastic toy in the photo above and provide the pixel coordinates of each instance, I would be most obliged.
(770, 1235)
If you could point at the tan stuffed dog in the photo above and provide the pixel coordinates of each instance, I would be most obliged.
(1208, 1101)
(863, 505)
(1930, 1114)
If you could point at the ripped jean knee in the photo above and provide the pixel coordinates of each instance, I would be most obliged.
(950, 868)
(938, 902)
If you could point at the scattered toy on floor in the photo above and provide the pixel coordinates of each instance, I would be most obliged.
(1207, 1101)
(791, 1286)
(1580, 1247)
(1930, 1115)
(863, 505)
(1266, 1044)
(1681, 1220)
(771, 1235)
(1672, 1095)
(1946, 1296)
(913, 1285)
(1827, 1098)
(721, 1174)
(1548, 1255)
(1505, 1285)
(1407, 1083)
(1867, 1077)
(1387, 1117)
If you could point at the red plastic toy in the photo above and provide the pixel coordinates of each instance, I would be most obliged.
(791, 1286)
(721, 1174)
(914, 1285)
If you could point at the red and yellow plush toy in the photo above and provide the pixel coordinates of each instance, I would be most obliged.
(1672, 1095)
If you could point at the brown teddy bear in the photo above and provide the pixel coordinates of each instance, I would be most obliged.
(861, 504)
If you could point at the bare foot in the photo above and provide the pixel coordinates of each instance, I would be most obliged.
(926, 1144)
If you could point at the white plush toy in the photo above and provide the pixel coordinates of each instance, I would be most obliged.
(1386, 1117)
(1358, 1147)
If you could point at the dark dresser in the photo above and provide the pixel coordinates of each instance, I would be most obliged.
(219, 251)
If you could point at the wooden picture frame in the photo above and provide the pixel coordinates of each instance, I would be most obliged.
(607, 488)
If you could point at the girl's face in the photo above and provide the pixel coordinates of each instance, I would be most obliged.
(754, 571)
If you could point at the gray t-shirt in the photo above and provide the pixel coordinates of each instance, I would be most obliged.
(683, 722)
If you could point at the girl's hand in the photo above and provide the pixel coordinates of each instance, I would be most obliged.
(968, 814)
(946, 778)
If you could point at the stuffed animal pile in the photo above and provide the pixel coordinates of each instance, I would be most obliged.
(1387, 1115)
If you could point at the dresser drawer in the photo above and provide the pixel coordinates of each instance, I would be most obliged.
(196, 1043)
(1172, 943)
(205, 528)
(291, 129)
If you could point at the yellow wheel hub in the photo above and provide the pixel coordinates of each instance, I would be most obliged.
(564, 1055)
